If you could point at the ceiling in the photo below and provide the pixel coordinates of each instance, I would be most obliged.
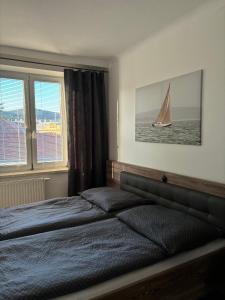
(97, 28)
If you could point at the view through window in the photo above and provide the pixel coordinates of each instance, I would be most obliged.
(48, 121)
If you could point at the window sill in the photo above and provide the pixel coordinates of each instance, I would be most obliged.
(33, 172)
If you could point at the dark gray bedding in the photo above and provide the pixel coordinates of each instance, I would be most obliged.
(113, 199)
(58, 262)
(47, 215)
(172, 230)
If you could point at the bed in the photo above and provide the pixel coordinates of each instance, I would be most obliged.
(138, 253)
(65, 212)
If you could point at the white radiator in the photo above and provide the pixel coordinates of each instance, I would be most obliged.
(13, 193)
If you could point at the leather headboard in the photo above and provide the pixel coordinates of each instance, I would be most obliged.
(203, 206)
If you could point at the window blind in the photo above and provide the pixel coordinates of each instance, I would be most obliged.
(12, 122)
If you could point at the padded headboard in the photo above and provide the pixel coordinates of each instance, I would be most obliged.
(204, 206)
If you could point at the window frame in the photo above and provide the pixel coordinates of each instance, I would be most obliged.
(30, 123)
(43, 165)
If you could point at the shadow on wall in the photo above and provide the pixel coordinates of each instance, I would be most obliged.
(113, 109)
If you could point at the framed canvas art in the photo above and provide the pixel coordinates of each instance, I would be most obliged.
(170, 111)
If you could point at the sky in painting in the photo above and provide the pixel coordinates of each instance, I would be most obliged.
(185, 91)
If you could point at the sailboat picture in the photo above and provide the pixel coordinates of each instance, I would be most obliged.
(170, 111)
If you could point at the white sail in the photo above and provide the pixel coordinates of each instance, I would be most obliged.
(164, 117)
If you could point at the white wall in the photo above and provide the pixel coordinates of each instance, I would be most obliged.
(196, 42)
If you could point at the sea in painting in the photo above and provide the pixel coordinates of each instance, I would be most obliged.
(180, 132)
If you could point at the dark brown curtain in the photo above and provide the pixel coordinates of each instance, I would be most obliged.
(87, 129)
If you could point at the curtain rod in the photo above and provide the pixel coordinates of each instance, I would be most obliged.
(53, 64)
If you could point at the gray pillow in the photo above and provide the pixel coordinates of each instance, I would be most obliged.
(172, 230)
(111, 199)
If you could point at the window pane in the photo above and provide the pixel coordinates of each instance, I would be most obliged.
(12, 122)
(48, 121)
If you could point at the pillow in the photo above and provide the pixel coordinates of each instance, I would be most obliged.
(172, 230)
(111, 199)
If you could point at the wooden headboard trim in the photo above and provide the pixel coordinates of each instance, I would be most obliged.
(115, 167)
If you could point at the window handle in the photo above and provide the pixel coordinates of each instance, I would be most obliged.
(28, 133)
(34, 135)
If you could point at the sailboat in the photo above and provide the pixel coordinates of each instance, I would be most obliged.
(164, 117)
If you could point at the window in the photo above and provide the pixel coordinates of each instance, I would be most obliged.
(32, 122)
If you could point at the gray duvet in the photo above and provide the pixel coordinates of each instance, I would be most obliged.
(47, 215)
(54, 263)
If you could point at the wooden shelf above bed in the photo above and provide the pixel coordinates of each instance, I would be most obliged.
(115, 167)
